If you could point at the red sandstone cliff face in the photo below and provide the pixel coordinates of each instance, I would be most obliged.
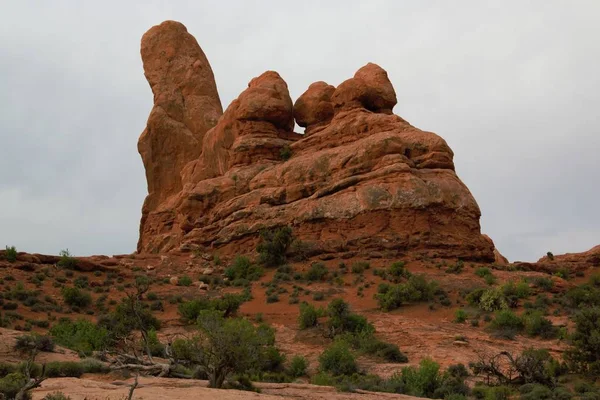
(359, 179)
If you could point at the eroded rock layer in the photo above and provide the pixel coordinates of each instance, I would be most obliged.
(359, 179)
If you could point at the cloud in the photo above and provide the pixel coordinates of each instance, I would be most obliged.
(513, 87)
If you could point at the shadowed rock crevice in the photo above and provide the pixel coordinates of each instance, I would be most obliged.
(359, 179)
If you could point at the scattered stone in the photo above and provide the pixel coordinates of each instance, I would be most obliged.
(208, 271)
(174, 280)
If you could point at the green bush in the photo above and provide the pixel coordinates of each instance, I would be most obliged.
(492, 300)
(491, 393)
(366, 343)
(538, 325)
(82, 335)
(11, 254)
(234, 346)
(359, 267)
(285, 153)
(227, 305)
(456, 268)
(460, 316)
(482, 272)
(273, 246)
(342, 320)
(519, 290)
(157, 349)
(308, 316)
(584, 355)
(76, 297)
(337, 359)
(416, 289)
(34, 342)
(543, 283)
(398, 270)
(66, 260)
(506, 324)
(81, 282)
(298, 366)
(317, 272)
(11, 384)
(273, 298)
(422, 381)
(242, 268)
(184, 281)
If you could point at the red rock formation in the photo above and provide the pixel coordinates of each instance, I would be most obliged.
(186, 106)
(360, 179)
(590, 258)
(499, 259)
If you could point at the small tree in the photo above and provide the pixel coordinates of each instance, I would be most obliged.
(337, 359)
(584, 356)
(225, 346)
(11, 254)
(274, 245)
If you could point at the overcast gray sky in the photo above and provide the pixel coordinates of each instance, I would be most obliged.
(513, 86)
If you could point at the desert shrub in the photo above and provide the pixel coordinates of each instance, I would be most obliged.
(456, 268)
(316, 272)
(342, 320)
(285, 152)
(56, 396)
(308, 316)
(506, 324)
(482, 272)
(184, 281)
(243, 268)
(271, 359)
(226, 346)
(519, 290)
(34, 342)
(491, 300)
(273, 298)
(76, 297)
(10, 306)
(298, 366)
(460, 316)
(537, 325)
(398, 270)
(586, 295)
(66, 260)
(563, 272)
(274, 245)
(284, 273)
(129, 315)
(81, 335)
(491, 392)
(543, 283)
(422, 381)
(157, 349)
(584, 355)
(416, 289)
(337, 359)
(359, 267)
(227, 305)
(10, 254)
(367, 343)
(81, 282)
(11, 384)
